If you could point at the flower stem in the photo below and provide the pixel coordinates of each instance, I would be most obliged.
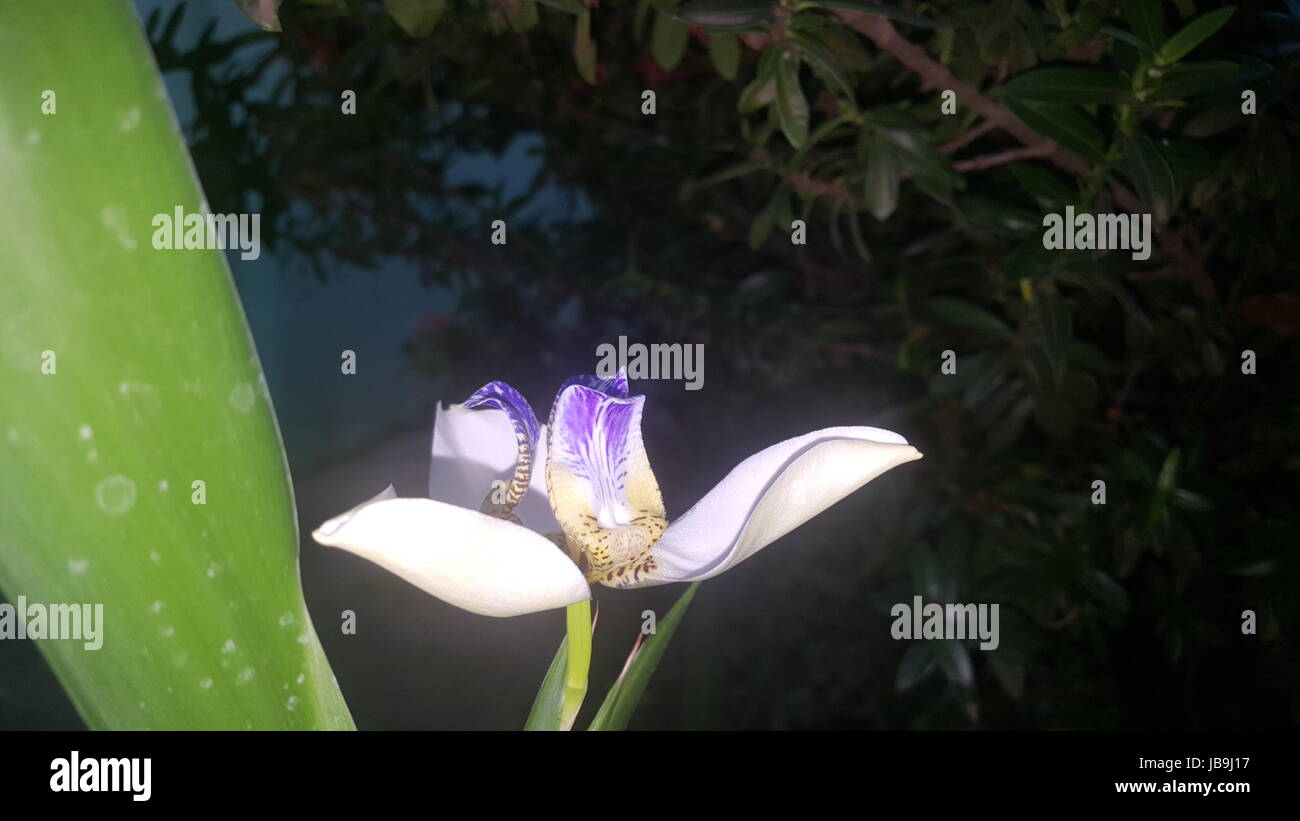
(578, 617)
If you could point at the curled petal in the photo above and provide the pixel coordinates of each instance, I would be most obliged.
(612, 386)
(466, 558)
(599, 481)
(504, 398)
(768, 495)
(474, 448)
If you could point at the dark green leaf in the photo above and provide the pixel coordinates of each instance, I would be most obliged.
(1147, 19)
(1068, 85)
(968, 315)
(1065, 124)
(624, 696)
(1151, 174)
(584, 48)
(821, 58)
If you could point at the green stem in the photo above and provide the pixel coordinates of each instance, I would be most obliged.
(578, 617)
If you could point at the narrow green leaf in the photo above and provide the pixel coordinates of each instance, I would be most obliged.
(1192, 35)
(967, 315)
(791, 105)
(1147, 19)
(1166, 483)
(154, 385)
(724, 51)
(880, 188)
(1065, 124)
(418, 18)
(1186, 80)
(1151, 174)
(1040, 182)
(728, 15)
(622, 699)
(548, 704)
(1068, 85)
(668, 40)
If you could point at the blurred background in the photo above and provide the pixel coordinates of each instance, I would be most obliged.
(673, 227)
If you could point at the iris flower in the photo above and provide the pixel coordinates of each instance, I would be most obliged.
(539, 539)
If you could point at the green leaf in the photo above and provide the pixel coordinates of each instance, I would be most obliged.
(1147, 19)
(756, 95)
(821, 58)
(968, 315)
(728, 15)
(880, 188)
(1044, 184)
(1151, 174)
(417, 18)
(791, 106)
(622, 699)
(1068, 85)
(883, 10)
(156, 385)
(548, 704)
(1192, 35)
(668, 40)
(724, 51)
(1065, 124)
(565, 685)
(1192, 79)
(584, 48)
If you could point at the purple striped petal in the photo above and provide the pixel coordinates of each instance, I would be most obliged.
(614, 386)
(501, 396)
(599, 480)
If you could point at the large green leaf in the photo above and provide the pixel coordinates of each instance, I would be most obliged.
(155, 386)
(1065, 124)
(668, 40)
(622, 699)
(1068, 85)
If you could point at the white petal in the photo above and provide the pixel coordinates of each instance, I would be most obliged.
(771, 493)
(484, 565)
(473, 448)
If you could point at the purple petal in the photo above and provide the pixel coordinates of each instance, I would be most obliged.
(501, 396)
(615, 386)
